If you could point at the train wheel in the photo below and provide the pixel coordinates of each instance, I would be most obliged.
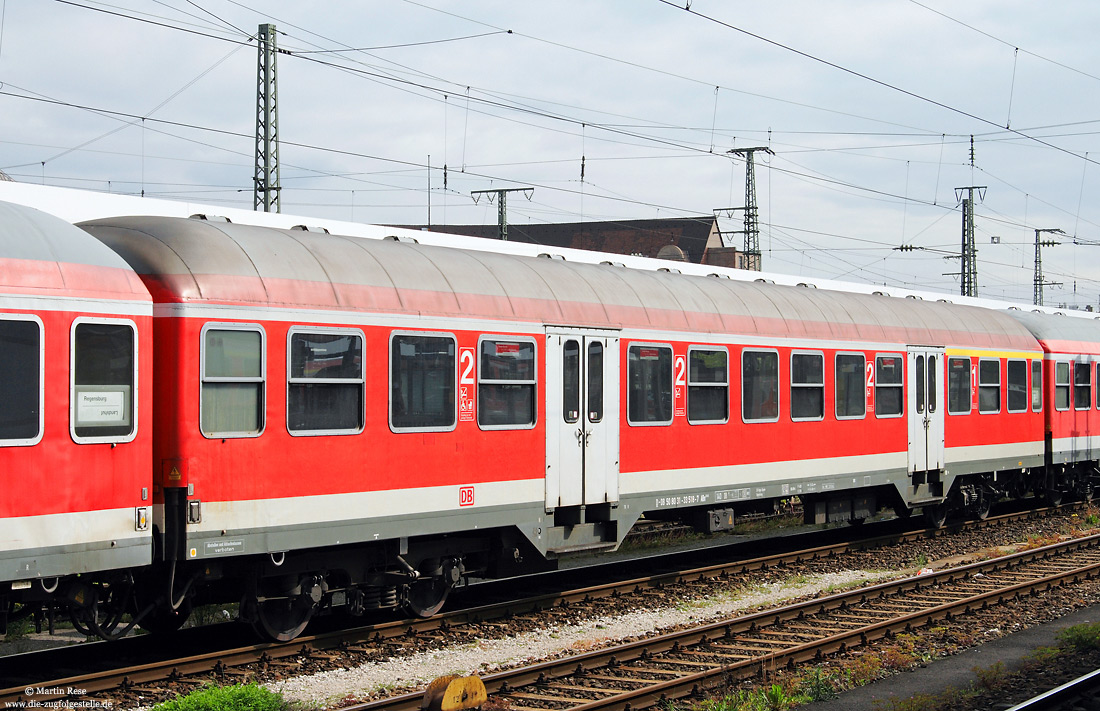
(983, 507)
(425, 597)
(1053, 497)
(281, 620)
(935, 516)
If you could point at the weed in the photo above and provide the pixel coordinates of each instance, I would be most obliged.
(921, 561)
(817, 685)
(246, 697)
(1080, 638)
(992, 678)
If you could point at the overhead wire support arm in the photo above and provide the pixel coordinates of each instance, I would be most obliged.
(502, 208)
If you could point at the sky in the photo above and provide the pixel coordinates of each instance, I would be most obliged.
(609, 109)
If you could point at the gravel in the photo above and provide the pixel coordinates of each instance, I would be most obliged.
(484, 656)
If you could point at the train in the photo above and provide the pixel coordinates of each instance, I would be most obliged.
(200, 411)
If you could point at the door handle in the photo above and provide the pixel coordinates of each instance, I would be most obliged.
(582, 440)
(587, 436)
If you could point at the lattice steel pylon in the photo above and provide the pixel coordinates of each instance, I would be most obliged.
(1040, 282)
(752, 225)
(266, 178)
(969, 273)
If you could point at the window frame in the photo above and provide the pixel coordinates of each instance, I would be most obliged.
(389, 380)
(114, 439)
(778, 386)
(262, 379)
(791, 385)
(30, 442)
(534, 382)
(862, 384)
(1066, 385)
(362, 380)
(725, 385)
(969, 385)
(1008, 385)
(1087, 369)
(1036, 382)
(1000, 399)
(671, 380)
(901, 386)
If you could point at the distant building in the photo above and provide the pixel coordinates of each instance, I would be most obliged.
(682, 239)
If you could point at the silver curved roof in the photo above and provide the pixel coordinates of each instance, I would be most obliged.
(1061, 333)
(187, 260)
(55, 254)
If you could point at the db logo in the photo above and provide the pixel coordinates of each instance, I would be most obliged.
(466, 496)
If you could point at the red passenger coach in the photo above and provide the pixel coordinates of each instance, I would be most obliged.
(1070, 399)
(75, 406)
(344, 422)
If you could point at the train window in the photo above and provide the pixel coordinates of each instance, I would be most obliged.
(1037, 386)
(1098, 385)
(103, 378)
(1082, 386)
(21, 381)
(325, 382)
(933, 389)
(649, 378)
(571, 381)
(422, 382)
(989, 385)
(1061, 386)
(760, 386)
(851, 401)
(958, 386)
(595, 381)
(1017, 386)
(919, 382)
(807, 386)
(506, 384)
(889, 385)
(233, 367)
(708, 391)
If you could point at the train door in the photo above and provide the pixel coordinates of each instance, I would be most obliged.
(582, 417)
(926, 408)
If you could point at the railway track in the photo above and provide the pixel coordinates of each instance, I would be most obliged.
(227, 663)
(685, 663)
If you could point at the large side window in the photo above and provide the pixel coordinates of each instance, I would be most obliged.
(104, 375)
(233, 369)
(759, 386)
(20, 381)
(325, 384)
(958, 386)
(851, 402)
(422, 382)
(807, 386)
(989, 385)
(649, 384)
(708, 386)
(506, 383)
(1061, 386)
(1082, 386)
(889, 385)
(1037, 385)
(1017, 386)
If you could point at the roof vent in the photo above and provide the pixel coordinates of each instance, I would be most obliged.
(719, 276)
(914, 297)
(944, 301)
(559, 257)
(401, 238)
(614, 264)
(673, 270)
(210, 218)
(807, 285)
(1013, 308)
(311, 228)
(879, 293)
(764, 281)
